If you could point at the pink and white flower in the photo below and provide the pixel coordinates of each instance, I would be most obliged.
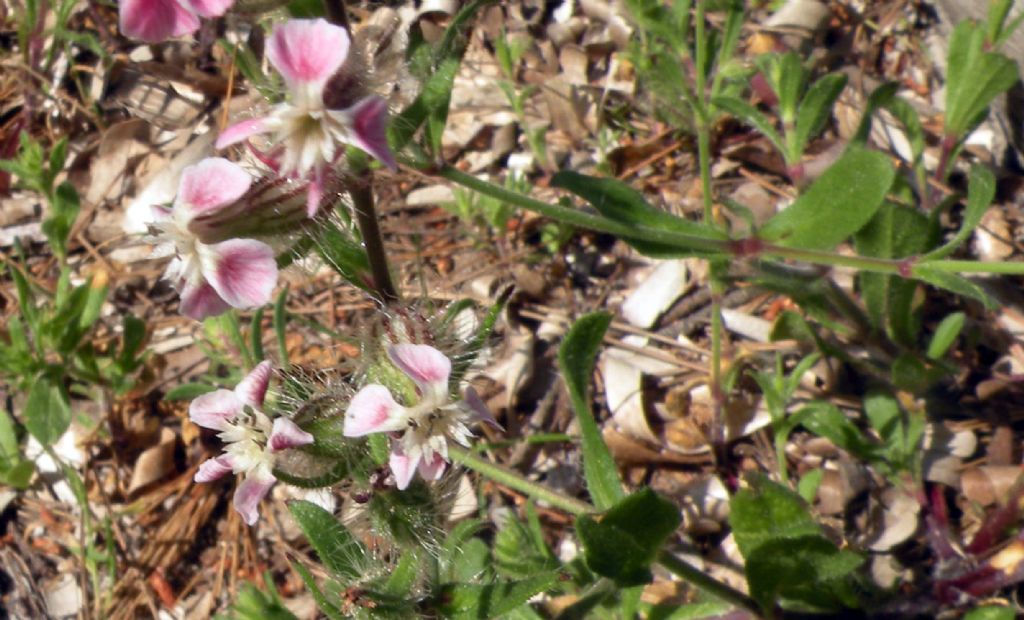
(253, 440)
(237, 273)
(421, 432)
(307, 53)
(153, 21)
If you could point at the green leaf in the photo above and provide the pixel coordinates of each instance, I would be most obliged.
(808, 485)
(753, 117)
(576, 359)
(14, 470)
(910, 373)
(835, 206)
(480, 602)
(882, 412)
(886, 97)
(619, 202)
(946, 334)
(974, 78)
(826, 420)
(64, 210)
(954, 283)
(342, 469)
(133, 337)
(344, 254)
(894, 232)
(188, 391)
(991, 612)
(816, 108)
(516, 554)
(97, 294)
(624, 542)
(47, 411)
(338, 550)
(26, 300)
(807, 569)
(403, 576)
(255, 604)
(981, 190)
(768, 511)
(330, 609)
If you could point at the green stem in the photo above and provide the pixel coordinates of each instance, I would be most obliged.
(704, 159)
(583, 219)
(725, 247)
(717, 394)
(703, 581)
(514, 480)
(975, 266)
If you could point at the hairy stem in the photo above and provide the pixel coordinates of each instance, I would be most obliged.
(366, 217)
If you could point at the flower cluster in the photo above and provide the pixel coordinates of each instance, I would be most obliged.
(420, 432)
(253, 440)
(223, 231)
(309, 137)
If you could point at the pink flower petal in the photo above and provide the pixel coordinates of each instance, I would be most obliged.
(242, 271)
(153, 21)
(200, 301)
(213, 469)
(214, 182)
(253, 388)
(307, 50)
(424, 364)
(214, 410)
(373, 410)
(242, 131)
(315, 192)
(208, 8)
(479, 409)
(369, 129)
(249, 494)
(287, 434)
(434, 469)
(402, 467)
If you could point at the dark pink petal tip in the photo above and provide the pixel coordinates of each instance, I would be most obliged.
(250, 493)
(479, 409)
(215, 410)
(213, 469)
(242, 271)
(370, 411)
(211, 184)
(286, 434)
(307, 50)
(402, 467)
(253, 388)
(154, 21)
(424, 364)
(369, 129)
